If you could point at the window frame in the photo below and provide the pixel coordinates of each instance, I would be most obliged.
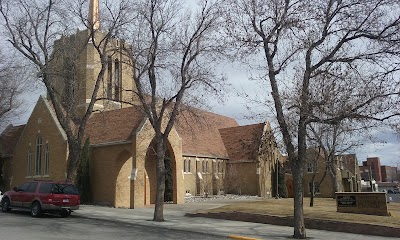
(29, 166)
(46, 160)
(38, 156)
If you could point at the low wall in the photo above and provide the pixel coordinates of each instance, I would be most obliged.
(373, 203)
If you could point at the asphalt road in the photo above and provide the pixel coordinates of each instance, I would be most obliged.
(394, 197)
(20, 225)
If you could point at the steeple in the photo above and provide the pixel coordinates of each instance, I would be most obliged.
(94, 15)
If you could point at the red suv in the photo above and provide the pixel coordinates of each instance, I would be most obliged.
(42, 196)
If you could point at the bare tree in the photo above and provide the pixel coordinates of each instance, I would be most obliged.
(234, 180)
(344, 49)
(173, 50)
(333, 140)
(13, 81)
(41, 32)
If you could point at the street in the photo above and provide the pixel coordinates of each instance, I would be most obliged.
(393, 197)
(20, 225)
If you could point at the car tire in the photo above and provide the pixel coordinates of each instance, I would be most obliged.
(36, 209)
(5, 205)
(65, 213)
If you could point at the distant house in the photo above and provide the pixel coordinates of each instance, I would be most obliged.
(390, 173)
(371, 169)
(317, 177)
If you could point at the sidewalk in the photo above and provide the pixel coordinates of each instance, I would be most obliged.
(175, 218)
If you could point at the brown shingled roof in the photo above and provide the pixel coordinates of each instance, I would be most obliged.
(113, 126)
(9, 138)
(243, 142)
(199, 132)
(197, 128)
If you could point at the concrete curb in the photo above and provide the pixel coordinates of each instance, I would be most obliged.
(242, 237)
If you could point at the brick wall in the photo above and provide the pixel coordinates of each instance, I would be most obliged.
(42, 123)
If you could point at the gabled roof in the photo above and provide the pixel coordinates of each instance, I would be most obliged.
(243, 142)
(113, 126)
(9, 138)
(197, 128)
(200, 135)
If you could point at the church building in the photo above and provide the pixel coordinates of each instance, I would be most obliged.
(208, 154)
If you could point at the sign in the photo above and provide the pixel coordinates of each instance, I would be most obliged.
(346, 201)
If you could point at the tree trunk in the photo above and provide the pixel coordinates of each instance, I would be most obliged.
(299, 227)
(160, 172)
(298, 177)
(73, 160)
(333, 175)
(312, 194)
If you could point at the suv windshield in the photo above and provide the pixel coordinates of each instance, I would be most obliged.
(60, 188)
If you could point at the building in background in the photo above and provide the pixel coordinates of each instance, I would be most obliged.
(389, 174)
(371, 169)
(350, 177)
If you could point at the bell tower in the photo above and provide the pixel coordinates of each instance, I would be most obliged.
(94, 14)
(76, 64)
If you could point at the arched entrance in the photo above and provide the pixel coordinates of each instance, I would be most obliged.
(150, 183)
(122, 184)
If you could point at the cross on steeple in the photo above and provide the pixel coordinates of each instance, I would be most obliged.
(94, 15)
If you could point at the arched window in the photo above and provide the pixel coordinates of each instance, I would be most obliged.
(184, 165)
(116, 81)
(38, 160)
(46, 159)
(189, 166)
(29, 160)
(109, 77)
(206, 167)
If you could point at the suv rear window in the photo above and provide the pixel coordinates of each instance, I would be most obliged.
(45, 187)
(60, 188)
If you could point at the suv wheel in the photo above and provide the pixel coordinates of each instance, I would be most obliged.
(65, 213)
(36, 210)
(5, 205)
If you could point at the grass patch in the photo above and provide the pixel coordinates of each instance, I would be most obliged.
(324, 209)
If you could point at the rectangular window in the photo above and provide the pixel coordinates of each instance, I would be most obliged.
(29, 165)
(32, 187)
(45, 187)
(312, 167)
(38, 162)
(116, 81)
(46, 160)
(109, 77)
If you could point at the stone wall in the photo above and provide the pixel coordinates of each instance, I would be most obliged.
(362, 202)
